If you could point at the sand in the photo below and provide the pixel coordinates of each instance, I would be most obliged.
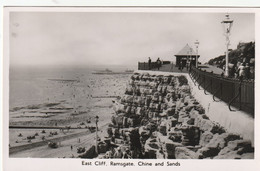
(76, 104)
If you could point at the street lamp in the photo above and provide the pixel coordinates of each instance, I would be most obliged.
(227, 24)
(96, 133)
(191, 56)
(197, 47)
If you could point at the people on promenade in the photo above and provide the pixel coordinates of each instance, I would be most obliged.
(181, 65)
(158, 63)
(172, 64)
(188, 65)
(247, 71)
(241, 70)
(149, 63)
(232, 70)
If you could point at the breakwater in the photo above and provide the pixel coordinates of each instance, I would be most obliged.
(158, 118)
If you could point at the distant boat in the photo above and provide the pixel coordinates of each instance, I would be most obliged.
(108, 71)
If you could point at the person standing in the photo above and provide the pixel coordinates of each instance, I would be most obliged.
(149, 63)
(180, 66)
(247, 71)
(241, 69)
(158, 63)
(188, 65)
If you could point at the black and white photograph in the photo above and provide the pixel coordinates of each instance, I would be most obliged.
(167, 84)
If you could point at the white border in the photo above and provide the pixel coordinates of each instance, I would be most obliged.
(75, 164)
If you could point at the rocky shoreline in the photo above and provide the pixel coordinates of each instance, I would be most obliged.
(158, 118)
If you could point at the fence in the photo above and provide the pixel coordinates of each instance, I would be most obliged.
(237, 93)
(145, 65)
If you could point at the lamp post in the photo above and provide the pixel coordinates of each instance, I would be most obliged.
(191, 56)
(197, 47)
(96, 133)
(227, 24)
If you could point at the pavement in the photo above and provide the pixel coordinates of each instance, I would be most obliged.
(173, 68)
(170, 68)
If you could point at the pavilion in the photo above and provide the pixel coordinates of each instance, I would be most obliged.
(186, 54)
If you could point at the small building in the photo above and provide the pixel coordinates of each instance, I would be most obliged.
(185, 55)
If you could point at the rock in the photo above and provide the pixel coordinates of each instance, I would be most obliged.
(188, 108)
(243, 146)
(194, 114)
(175, 135)
(194, 148)
(225, 151)
(89, 154)
(151, 127)
(217, 129)
(170, 111)
(128, 98)
(135, 139)
(230, 155)
(119, 108)
(119, 141)
(203, 124)
(173, 122)
(247, 156)
(200, 109)
(183, 119)
(205, 138)
(151, 148)
(170, 149)
(102, 148)
(191, 121)
(204, 116)
(218, 142)
(185, 153)
(151, 154)
(162, 129)
(232, 137)
(205, 152)
(191, 135)
(195, 102)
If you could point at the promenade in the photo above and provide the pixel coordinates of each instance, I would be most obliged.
(175, 69)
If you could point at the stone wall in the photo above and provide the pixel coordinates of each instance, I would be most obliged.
(158, 117)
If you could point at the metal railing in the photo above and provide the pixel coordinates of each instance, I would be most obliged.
(236, 93)
(153, 65)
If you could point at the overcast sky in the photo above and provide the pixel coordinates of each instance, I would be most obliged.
(93, 38)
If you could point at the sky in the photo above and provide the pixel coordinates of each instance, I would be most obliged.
(114, 38)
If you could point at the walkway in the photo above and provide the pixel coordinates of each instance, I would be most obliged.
(171, 68)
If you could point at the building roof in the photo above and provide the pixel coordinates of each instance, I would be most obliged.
(186, 51)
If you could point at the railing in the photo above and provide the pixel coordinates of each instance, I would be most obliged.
(236, 93)
(145, 65)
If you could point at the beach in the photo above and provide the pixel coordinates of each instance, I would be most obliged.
(55, 100)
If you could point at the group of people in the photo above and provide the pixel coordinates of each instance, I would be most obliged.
(158, 63)
(241, 70)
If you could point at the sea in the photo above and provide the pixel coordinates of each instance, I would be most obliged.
(38, 85)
